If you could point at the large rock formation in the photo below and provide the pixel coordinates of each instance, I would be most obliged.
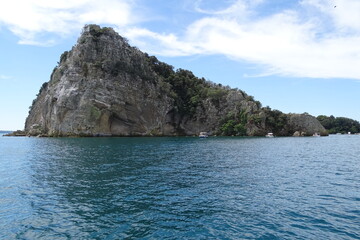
(306, 125)
(105, 87)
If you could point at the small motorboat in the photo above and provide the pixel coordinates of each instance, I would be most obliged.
(269, 135)
(203, 135)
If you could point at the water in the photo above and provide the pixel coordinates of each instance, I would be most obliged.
(180, 188)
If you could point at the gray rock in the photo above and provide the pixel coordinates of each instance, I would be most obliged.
(305, 125)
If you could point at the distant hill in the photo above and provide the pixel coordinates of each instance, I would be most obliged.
(105, 87)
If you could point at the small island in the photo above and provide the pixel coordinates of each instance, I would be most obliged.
(105, 87)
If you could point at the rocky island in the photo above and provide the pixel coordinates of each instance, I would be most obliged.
(105, 87)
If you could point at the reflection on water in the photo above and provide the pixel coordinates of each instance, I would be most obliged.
(180, 188)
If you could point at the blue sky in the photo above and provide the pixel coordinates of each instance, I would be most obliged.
(295, 56)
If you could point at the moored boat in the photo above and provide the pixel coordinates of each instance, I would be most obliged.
(203, 135)
(269, 135)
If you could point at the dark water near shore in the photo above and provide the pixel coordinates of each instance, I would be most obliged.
(180, 188)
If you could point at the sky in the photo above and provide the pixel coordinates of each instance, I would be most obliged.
(294, 56)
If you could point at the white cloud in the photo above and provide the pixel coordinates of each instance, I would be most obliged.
(30, 20)
(4, 77)
(162, 44)
(240, 7)
(315, 40)
(343, 13)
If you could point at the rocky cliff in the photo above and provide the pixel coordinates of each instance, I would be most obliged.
(105, 87)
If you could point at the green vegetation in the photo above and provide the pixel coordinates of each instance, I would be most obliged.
(97, 31)
(43, 87)
(187, 90)
(64, 56)
(234, 124)
(339, 124)
(276, 121)
(94, 113)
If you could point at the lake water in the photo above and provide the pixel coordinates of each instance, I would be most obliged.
(180, 188)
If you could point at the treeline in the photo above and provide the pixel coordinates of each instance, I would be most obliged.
(186, 89)
(339, 124)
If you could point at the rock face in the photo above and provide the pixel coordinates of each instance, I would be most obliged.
(305, 125)
(105, 87)
(93, 92)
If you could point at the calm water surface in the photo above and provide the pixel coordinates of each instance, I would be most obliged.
(180, 188)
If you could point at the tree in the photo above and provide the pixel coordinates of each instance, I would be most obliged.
(339, 124)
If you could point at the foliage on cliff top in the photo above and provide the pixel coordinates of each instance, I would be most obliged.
(277, 121)
(186, 89)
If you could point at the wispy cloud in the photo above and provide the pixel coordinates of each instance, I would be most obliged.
(4, 77)
(315, 40)
(30, 20)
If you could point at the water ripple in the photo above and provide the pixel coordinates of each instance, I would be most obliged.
(180, 188)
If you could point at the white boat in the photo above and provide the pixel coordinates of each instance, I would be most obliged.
(316, 135)
(203, 135)
(269, 135)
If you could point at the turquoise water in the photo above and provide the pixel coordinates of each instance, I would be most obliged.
(180, 188)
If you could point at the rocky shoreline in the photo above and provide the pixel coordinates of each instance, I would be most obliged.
(17, 133)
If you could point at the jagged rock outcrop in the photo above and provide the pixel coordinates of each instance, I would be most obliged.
(105, 87)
